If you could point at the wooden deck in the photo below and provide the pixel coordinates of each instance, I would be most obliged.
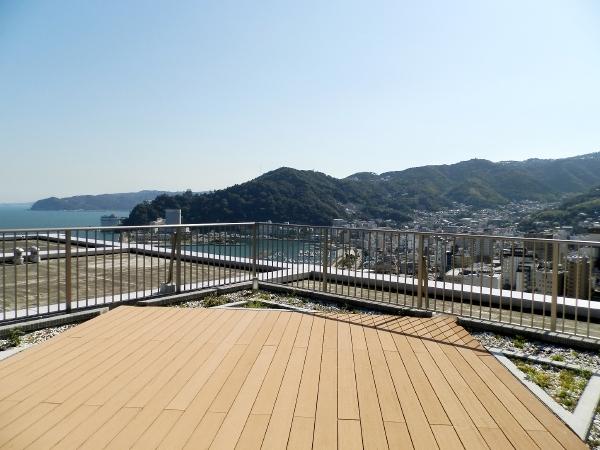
(196, 378)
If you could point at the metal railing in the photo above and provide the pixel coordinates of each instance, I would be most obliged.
(543, 283)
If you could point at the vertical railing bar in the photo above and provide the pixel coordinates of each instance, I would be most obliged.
(554, 304)
(4, 276)
(68, 292)
(512, 279)
(25, 260)
(544, 286)
(48, 260)
(589, 306)
(178, 233)
(462, 278)
(95, 266)
(471, 287)
(522, 287)
(566, 258)
(481, 272)
(533, 285)
(37, 273)
(578, 263)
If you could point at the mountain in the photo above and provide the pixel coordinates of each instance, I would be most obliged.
(122, 201)
(311, 197)
(571, 212)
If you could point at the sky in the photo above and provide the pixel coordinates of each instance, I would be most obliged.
(99, 96)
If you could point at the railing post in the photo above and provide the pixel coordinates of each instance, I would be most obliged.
(325, 260)
(554, 304)
(68, 271)
(178, 259)
(254, 256)
(420, 272)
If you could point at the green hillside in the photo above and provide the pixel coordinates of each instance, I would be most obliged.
(569, 212)
(312, 197)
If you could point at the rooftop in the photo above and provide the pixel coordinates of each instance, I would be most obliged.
(221, 378)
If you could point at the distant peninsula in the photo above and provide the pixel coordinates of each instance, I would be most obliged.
(123, 201)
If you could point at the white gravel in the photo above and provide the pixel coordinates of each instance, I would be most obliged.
(585, 359)
(300, 302)
(32, 338)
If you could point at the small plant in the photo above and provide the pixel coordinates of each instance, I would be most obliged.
(256, 304)
(519, 342)
(539, 377)
(14, 337)
(214, 300)
(567, 379)
(542, 379)
(557, 357)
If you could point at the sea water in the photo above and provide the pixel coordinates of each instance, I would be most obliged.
(21, 216)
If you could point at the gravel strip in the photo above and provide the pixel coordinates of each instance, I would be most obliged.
(584, 359)
(33, 338)
(299, 302)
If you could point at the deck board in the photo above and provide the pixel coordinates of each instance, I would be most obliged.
(219, 378)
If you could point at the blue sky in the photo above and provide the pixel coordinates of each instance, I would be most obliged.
(99, 96)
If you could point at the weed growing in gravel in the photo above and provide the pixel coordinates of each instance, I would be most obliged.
(256, 304)
(215, 300)
(558, 357)
(519, 342)
(14, 337)
(564, 385)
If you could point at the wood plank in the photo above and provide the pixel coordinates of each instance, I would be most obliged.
(373, 430)
(55, 434)
(267, 395)
(303, 336)
(156, 432)
(544, 439)
(446, 437)
(349, 433)
(254, 432)
(226, 397)
(505, 395)
(234, 422)
(281, 420)
(194, 384)
(101, 437)
(301, 434)
(389, 403)
(84, 386)
(154, 408)
(326, 413)
(347, 394)
(496, 439)
(460, 419)
(398, 435)
(17, 430)
(181, 369)
(427, 396)
(193, 415)
(502, 416)
(309, 386)
(471, 403)
(416, 420)
(206, 431)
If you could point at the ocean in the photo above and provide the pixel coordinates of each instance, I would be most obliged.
(20, 216)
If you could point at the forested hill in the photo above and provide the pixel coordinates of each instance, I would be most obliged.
(571, 212)
(312, 197)
(122, 201)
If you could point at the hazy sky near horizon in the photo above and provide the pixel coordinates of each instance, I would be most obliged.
(100, 96)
